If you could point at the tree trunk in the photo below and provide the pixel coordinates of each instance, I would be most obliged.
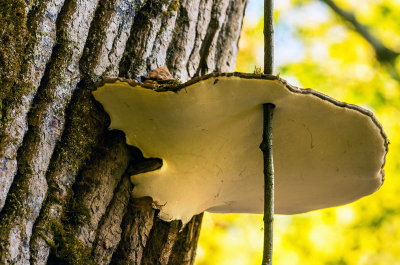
(64, 187)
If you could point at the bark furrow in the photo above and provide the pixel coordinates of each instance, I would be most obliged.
(184, 250)
(93, 191)
(107, 39)
(109, 234)
(110, 28)
(63, 177)
(84, 127)
(40, 36)
(146, 26)
(46, 120)
(228, 39)
(137, 224)
(179, 48)
(202, 26)
(162, 234)
(208, 47)
(158, 53)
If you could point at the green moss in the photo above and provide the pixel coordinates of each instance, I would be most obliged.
(78, 214)
(67, 248)
(174, 6)
(153, 8)
(14, 99)
(49, 242)
(1, 110)
(14, 206)
(164, 2)
(14, 202)
(258, 70)
(13, 39)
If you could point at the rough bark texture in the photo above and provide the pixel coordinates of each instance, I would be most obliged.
(64, 184)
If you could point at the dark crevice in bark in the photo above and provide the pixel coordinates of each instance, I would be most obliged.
(13, 38)
(75, 235)
(84, 127)
(182, 22)
(158, 53)
(30, 4)
(97, 32)
(110, 228)
(79, 140)
(136, 224)
(99, 58)
(138, 218)
(206, 46)
(228, 39)
(144, 30)
(46, 121)
(61, 49)
(23, 169)
(203, 20)
(22, 201)
(179, 48)
(160, 242)
(39, 39)
(94, 190)
(184, 250)
(106, 16)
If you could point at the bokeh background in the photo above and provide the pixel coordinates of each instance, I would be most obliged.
(317, 48)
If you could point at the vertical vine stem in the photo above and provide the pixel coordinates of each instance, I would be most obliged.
(266, 148)
(266, 145)
(268, 37)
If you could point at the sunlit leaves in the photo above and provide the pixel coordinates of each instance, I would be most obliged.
(322, 52)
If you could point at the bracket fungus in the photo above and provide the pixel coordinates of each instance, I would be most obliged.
(208, 131)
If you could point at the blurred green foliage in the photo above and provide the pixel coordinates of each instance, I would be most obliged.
(330, 57)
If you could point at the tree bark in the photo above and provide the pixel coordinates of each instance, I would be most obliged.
(64, 187)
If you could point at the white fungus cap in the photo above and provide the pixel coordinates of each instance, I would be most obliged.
(208, 132)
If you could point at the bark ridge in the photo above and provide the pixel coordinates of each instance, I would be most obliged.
(64, 187)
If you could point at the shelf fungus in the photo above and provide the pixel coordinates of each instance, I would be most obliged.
(208, 131)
